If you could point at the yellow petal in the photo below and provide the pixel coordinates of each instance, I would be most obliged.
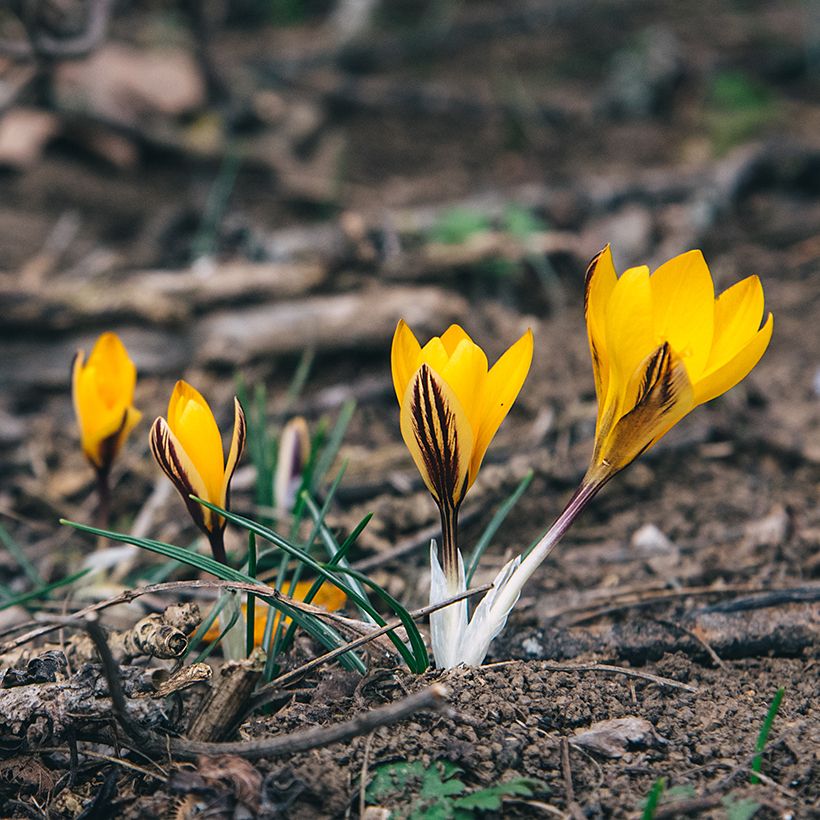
(683, 308)
(192, 422)
(737, 368)
(98, 420)
(663, 397)
(182, 471)
(453, 337)
(237, 446)
(116, 373)
(504, 382)
(629, 332)
(599, 283)
(437, 433)
(738, 313)
(465, 372)
(434, 354)
(132, 419)
(404, 357)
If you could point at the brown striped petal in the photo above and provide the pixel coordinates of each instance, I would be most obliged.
(437, 432)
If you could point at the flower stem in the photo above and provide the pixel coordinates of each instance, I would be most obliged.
(103, 498)
(536, 556)
(216, 537)
(449, 543)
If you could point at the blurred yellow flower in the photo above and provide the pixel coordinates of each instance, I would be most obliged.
(661, 345)
(328, 597)
(452, 404)
(103, 393)
(188, 447)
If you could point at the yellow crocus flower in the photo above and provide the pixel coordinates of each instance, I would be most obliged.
(662, 344)
(188, 448)
(452, 404)
(103, 394)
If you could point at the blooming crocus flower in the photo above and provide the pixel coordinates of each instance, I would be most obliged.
(188, 448)
(103, 391)
(452, 404)
(661, 345)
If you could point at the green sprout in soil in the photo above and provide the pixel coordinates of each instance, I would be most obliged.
(414, 791)
(763, 737)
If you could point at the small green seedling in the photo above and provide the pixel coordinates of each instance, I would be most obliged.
(763, 737)
(437, 792)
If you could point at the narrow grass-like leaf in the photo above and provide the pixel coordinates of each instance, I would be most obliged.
(316, 628)
(337, 559)
(206, 652)
(204, 627)
(416, 664)
(653, 798)
(297, 572)
(300, 377)
(250, 614)
(416, 641)
(763, 737)
(334, 442)
(338, 552)
(42, 591)
(20, 557)
(492, 528)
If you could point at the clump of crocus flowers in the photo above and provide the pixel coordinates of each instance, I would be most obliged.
(661, 344)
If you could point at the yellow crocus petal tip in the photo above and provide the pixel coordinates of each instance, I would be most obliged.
(102, 387)
(661, 344)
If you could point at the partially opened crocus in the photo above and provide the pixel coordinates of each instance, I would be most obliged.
(188, 447)
(661, 344)
(102, 388)
(452, 404)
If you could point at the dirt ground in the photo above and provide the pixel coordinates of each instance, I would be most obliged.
(655, 126)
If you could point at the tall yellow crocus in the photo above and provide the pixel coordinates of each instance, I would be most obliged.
(188, 448)
(452, 404)
(103, 392)
(662, 344)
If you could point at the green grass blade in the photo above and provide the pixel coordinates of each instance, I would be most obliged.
(416, 641)
(206, 652)
(492, 528)
(320, 569)
(334, 550)
(42, 591)
(250, 614)
(653, 798)
(297, 572)
(20, 557)
(316, 628)
(763, 737)
(207, 623)
(337, 559)
(334, 443)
